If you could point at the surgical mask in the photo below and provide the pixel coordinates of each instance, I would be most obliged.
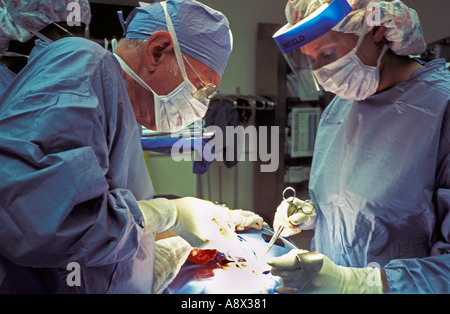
(348, 77)
(179, 108)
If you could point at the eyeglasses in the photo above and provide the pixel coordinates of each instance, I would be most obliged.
(207, 91)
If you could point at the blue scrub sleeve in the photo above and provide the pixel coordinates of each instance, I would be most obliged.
(62, 194)
(57, 207)
(430, 274)
(425, 275)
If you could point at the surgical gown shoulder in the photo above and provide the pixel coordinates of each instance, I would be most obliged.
(75, 51)
(67, 60)
(431, 81)
(72, 47)
(75, 66)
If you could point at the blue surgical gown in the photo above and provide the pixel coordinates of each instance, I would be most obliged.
(380, 180)
(6, 77)
(72, 173)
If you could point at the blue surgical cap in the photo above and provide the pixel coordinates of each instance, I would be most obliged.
(403, 28)
(202, 32)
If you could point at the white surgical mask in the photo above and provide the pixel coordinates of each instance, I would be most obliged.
(179, 108)
(348, 77)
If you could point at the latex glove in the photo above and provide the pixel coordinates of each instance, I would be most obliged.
(206, 225)
(297, 222)
(312, 272)
(159, 214)
(243, 219)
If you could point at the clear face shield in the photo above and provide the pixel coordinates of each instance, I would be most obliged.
(303, 66)
(291, 39)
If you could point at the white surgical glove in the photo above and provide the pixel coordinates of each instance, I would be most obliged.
(199, 222)
(243, 219)
(204, 224)
(159, 214)
(312, 272)
(305, 220)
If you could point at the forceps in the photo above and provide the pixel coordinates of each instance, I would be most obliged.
(291, 210)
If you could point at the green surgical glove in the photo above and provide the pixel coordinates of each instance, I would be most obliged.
(312, 272)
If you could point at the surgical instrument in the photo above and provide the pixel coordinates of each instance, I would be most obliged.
(291, 210)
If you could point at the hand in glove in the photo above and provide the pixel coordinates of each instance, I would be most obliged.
(159, 214)
(243, 219)
(204, 224)
(303, 220)
(197, 221)
(311, 272)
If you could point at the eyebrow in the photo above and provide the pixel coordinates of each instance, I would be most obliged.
(324, 46)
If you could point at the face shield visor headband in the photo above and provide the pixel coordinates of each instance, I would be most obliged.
(290, 38)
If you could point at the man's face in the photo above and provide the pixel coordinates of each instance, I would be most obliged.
(334, 45)
(157, 65)
(204, 76)
(166, 78)
(329, 48)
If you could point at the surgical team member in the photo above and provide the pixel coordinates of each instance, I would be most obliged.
(22, 21)
(74, 184)
(380, 179)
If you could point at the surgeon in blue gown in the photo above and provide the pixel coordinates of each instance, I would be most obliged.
(380, 179)
(77, 212)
